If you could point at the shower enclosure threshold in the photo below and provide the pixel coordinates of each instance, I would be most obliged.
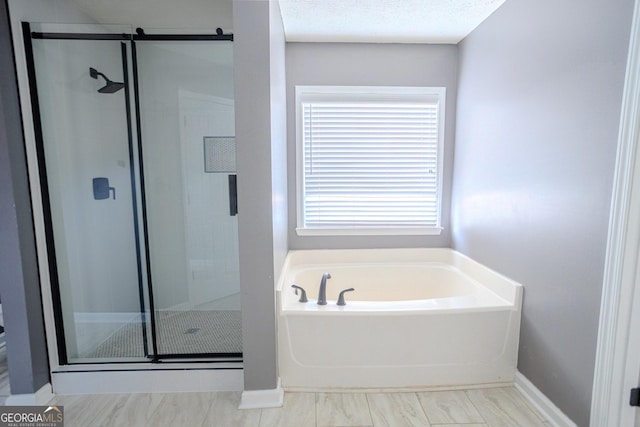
(148, 378)
(162, 366)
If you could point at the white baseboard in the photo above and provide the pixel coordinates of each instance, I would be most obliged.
(542, 403)
(252, 399)
(40, 397)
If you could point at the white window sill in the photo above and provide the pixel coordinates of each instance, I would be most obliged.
(426, 231)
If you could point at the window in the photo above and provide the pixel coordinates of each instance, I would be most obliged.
(369, 159)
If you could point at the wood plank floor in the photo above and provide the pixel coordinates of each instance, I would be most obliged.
(489, 407)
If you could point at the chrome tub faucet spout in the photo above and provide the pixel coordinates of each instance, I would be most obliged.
(322, 293)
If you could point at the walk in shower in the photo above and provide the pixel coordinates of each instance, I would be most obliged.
(136, 152)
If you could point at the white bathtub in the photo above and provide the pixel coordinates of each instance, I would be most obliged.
(418, 318)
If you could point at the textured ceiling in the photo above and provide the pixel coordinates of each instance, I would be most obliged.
(383, 21)
(391, 21)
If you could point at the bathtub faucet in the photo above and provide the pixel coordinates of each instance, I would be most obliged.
(322, 294)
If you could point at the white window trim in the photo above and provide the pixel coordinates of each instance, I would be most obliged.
(337, 93)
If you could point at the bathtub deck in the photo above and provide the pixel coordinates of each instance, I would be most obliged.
(472, 408)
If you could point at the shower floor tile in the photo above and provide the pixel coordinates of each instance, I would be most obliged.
(178, 332)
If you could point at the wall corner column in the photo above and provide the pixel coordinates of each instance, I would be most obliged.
(259, 186)
(19, 284)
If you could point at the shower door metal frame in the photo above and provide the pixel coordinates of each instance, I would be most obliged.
(153, 356)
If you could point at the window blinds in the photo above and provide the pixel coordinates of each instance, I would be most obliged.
(370, 164)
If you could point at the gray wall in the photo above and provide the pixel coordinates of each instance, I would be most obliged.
(364, 64)
(19, 282)
(540, 90)
(258, 55)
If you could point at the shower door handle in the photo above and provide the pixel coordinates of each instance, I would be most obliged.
(233, 195)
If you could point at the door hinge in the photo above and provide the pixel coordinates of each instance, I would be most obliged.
(634, 400)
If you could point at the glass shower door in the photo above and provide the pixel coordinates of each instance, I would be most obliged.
(136, 150)
(188, 151)
(87, 171)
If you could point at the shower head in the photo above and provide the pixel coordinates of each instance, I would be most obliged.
(110, 86)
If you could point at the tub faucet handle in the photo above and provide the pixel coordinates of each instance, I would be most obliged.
(341, 296)
(303, 293)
